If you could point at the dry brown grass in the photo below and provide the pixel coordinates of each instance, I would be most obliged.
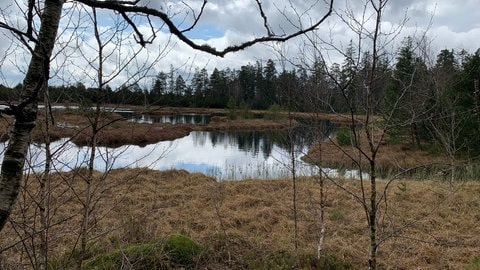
(396, 156)
(428, 226)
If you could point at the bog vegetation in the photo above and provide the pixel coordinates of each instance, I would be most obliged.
(409, 128)
(142, 219)
(173, 219)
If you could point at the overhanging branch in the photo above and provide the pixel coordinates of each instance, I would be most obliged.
(131, 7)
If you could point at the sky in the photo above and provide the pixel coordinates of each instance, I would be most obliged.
(441, 24)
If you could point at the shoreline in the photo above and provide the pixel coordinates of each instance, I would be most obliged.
(115, 130)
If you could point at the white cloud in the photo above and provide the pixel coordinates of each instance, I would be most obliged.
(231, 22)
(445, 38)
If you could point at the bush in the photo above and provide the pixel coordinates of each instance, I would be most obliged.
(246, 111)
(274, 112)
(344, 136)
(232, 109)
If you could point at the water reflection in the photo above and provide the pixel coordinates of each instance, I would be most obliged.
(223, 155)
(198, 119)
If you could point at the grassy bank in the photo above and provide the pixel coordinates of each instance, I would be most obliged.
(249, 224)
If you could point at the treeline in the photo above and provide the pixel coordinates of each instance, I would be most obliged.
(423, 101)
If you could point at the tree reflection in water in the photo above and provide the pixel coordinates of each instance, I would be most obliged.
(223, 155)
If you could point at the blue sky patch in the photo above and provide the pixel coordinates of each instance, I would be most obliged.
(205, 31)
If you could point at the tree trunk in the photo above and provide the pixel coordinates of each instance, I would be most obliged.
(43, 204)
(372, 217)
(26, 112)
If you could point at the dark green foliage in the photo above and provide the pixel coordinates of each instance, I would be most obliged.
(10, 93)
(406, 100)
(274, 113)
(232, 109)
(246, 111)
(344, 136)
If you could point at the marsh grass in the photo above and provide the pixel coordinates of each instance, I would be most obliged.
(426, 225)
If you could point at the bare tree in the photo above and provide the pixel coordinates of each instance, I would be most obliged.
(98, 119)
(361, 86)
(25, 111)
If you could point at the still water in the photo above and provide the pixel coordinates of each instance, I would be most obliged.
(225, 155)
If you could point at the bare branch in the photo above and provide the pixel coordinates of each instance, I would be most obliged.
(21, 35)
(196, 18)
(143, 10)
(31, 4)
(140, 39)
(265, 21)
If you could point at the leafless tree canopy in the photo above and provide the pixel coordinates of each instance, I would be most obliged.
(46, 16)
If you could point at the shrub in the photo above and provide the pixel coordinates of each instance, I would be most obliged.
(246, 111)
(232, 109)
(274, 112)
(344, 136)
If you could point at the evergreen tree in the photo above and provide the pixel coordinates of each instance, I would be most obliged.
(218, 89)
(352, 89)
(259, 88)
(270, 84)
(159, 87)
(287, 94)
(246, 78)
(171, 81)
(199, 86)
(408, 94)
(467, 90)
(319, 86)
(180, 86)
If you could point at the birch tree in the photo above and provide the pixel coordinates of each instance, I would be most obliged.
(360, 86)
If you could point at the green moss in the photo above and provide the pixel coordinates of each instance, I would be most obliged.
(139, 256)
(182, 249)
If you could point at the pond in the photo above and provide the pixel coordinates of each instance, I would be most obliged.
(225, 155)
